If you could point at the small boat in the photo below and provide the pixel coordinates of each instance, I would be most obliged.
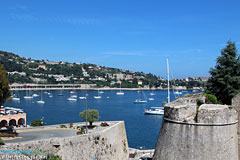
(41, 102)
(120, 93)
(82, 97)
(74, 96)
(60, 94)
(177, 92)
(151, 99)
(107, 97)
(28, 97)
(97, 97)
(152, 94)
(72, 99)
(46, 92)
(140, 101)
(155, 111)
(101, 92)
(50, 96)
(35, 95)
(16, 99)
(72, 92)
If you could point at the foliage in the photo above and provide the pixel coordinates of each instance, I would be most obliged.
(225, 80)
(53, 157)
(4, 85)
(37, 122)
(91, 115)
(210, 99)
(1, 142)
(63, 126)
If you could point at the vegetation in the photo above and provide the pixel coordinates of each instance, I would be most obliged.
(4, 86)
(210, 99)
(37, 122)
(27, 70)
(225, 80)
(91, 115)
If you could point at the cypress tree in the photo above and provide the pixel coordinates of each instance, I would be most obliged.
(225, 77)
(4, 86)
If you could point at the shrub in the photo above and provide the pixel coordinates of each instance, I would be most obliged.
(63, 126)
(210, 99)
(37, 122)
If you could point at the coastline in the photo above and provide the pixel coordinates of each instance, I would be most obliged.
(23, 87)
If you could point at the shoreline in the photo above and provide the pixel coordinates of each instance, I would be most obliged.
(24, 87)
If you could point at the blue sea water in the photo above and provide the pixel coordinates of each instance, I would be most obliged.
(142, 130)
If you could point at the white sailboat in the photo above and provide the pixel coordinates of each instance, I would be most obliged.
(98, 96)
(28, 95)
(41, 101)
(16, 97)
(72, 99)
(120, 92)
(159, 110)
(141, 100)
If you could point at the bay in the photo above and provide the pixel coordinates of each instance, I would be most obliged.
(142, 130)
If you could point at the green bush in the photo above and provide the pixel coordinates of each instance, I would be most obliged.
(37, 122)
(210, 99)
(63, 126)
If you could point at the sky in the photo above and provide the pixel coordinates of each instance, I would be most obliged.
(136, 35)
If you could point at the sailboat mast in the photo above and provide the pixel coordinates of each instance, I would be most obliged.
(168, 82)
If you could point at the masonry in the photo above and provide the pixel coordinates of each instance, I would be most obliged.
(107, 144)
(192, 132)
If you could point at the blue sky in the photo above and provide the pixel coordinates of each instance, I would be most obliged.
(130, 34)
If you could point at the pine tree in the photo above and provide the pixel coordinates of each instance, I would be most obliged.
(225, 80)
(4, 86)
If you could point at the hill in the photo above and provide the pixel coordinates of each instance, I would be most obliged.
(27, 70)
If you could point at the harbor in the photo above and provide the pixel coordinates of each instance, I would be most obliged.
(115, 107)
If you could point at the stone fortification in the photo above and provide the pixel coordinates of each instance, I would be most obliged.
(109, 144)
(196, 132)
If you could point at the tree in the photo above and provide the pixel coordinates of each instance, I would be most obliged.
(37, 122)
(225, 80)
(4, 86)
(91, 115)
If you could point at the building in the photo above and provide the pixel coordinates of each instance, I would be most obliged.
(140, 82)
(10, 116)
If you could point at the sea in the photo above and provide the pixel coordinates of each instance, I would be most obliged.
(142, 130)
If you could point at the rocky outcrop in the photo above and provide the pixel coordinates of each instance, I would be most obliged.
(196, 132)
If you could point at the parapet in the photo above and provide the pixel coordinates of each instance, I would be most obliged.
(189, 131)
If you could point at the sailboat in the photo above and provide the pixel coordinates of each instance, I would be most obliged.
(83, 97)
(16, 97)
(159, 110)
(140, 101)
(98, 96)
(120, 92)
(41, 101)
(28, 94)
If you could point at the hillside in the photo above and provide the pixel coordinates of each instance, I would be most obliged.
(27, 70)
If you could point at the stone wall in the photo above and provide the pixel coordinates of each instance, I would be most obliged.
(109, 144)
(210, 133)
